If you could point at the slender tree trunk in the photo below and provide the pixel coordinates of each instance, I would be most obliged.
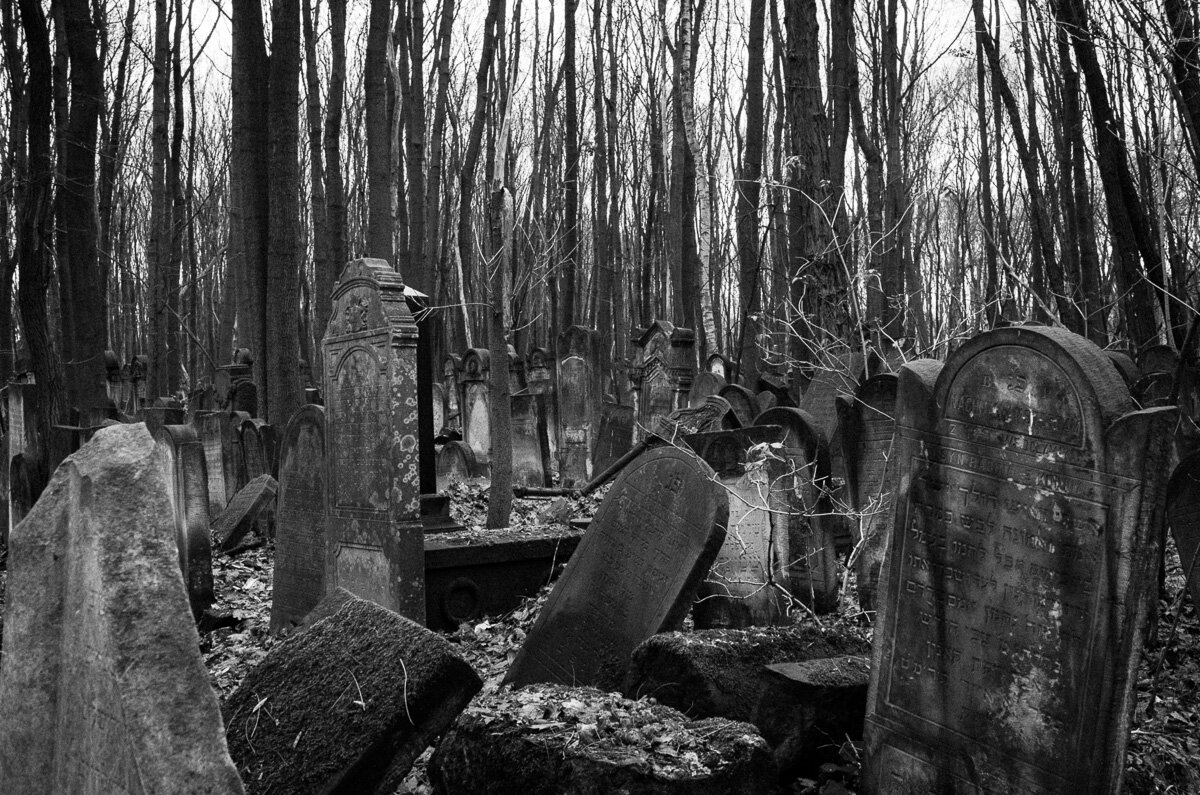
(570, 263)
(323, 265)
(381, 222)
(335, 190)
(748, 192)
(159, 244)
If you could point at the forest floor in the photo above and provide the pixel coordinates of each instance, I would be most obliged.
(1164, 747)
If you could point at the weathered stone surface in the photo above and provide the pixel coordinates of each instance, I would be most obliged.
(800, 501)
(102, 687)
(743, 403)
(1020, 572)
(705, 384)
(615, 437)
(346, 706)
(1183, 517)
(475, 404)
(208, 428)
(529, 442)
(231, 452)
(747, 584)
(1125, 366)
(718, 364)
(634, 574)
(376, 539)
(239, 517)
(714, 414)
(1158, 359)
(556, 740)
(578, 398)
(455, 464)
(451, 366)
(300, 553)
(663, 376)
(182, 457)
(254, 456)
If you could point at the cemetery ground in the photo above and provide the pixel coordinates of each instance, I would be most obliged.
(1163, 751)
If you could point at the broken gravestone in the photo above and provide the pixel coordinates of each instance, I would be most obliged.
(376, 541)
(240, 516)
(102, 686)
(182, 457)
(347, 705)
(299, 575)
(1019, 575)
(634, 573)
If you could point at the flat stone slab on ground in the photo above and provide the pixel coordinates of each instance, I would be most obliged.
(347, 705)
(102, 684)
(243, 510)
(558, 740)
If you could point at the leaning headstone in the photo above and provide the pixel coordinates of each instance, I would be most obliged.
(242, 513)
(349, 704)
(578, 396)
(663, 376)
(1125, 366)
(455, 464)
(1183, 516)
(1020, 573)
(376, 541)
(747, 583)
(102, 685)
(182, 458)
(231, 452)
(615, 437)
(742, 401)
(634, 573)
(475, 403)
(839, 378)
(254, 457)
(300, 554)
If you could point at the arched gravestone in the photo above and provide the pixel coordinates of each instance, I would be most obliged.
(254, 457)
(1183, 516)
(455, 464)
(103, 687)
(1020, 572)
(765, 400)
(743, 403)
(474, 405)
(800, 503)
(705, 384)
(181, 456)
(1125, 366)
(451, 367)
(718, 365)
(578, 399)
(376, 542)
(439, 408)
(1158, 359)
(633, 574)
(300, 543)
(663, 376)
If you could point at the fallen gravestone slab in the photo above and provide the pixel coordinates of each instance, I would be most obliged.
(634, 573)
(243, 510)
(102, 686)
(347, 705)
(557, 740)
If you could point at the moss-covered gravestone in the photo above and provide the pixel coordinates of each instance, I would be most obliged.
(1019, 574)
(102, 687)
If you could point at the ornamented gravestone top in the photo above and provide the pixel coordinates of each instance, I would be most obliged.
(663, 376)
(376, 546)
(1019, 573)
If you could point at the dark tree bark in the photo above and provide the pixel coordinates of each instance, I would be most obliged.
(12, 170)
(569, 288)
(323, 265)
(381, 221)
(335, 191)
(748, 192)
(164, 283)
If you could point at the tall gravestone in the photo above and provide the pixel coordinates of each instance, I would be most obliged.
(376, 542)
(300, 542)
(474, 406)
(633, 574)
(1020, 573)
(1183, 516)
(615, 437)
(231, 452)
(663, 376)
(529, 441)
(182, 458)
(208, 428)
(539, 380)
(578, 399)
(101, 682)
(451, 367)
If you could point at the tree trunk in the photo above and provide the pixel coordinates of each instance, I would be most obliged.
(335, 190)
(323, 265)
(159, 243)
(381, 222)
(570, 277)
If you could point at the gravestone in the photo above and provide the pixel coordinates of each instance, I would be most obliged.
(529, 443)
(765, 400)
(802, 509)
(1020, 573)
(455, 464)
(663, 376)
(1158, 359)
(102, 682)
(705, 384)
(719, 365)
(299, 576)
(352, 702)
(830, 392)
(578, 396)
(208, 428)
(439, 408)
(138, 371)
(633, 574)
(181, 456)
(21, 438)
(165, 411)
(743, 403)
(243, 511)
(747, 583)
(451, 367)
(872, 471)
(1125, 366)
(231, 452)
(475, 403)
(539, 380)
(615, 437)
(1183, 517)
(375, 541)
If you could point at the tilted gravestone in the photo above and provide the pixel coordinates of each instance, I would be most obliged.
(802, 509)
(743, 403)
(1125, 366)
(1019, 575)
(243, 512)
(474, 402)
(633, 574)
(102, 686)
(182, 458)
(578, 398)
(376, 542)
(1183, 516)
(747, 583)
(663, 376)
(455, 464)
(208, 428)
(349, 704)
(300, 554)
(615, 437)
